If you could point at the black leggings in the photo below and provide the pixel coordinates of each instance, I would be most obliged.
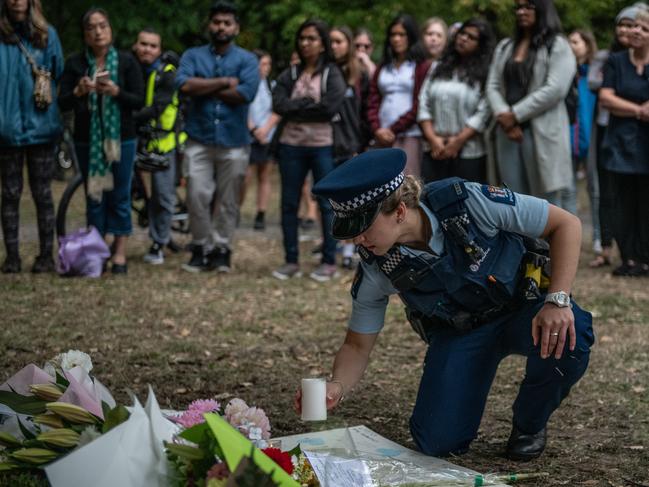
(40, 168)
(607, 194)
(631, 227)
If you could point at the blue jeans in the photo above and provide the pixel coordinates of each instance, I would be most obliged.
(294, 165)
(113, 213)
(459, 370)
(163, 201)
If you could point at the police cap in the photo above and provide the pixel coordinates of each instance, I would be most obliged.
(356, 189)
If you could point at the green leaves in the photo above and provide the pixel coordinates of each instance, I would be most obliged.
(29, 405)
(114, 417)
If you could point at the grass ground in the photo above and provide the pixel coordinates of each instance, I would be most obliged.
(249, 335)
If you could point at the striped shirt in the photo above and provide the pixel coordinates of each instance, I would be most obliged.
(451, 105)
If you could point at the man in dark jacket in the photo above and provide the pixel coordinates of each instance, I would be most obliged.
(27, 132)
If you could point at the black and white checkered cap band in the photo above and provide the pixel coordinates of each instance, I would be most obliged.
(368, 197)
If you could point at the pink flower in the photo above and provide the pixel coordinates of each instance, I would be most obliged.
(219, 471)
(235, 408)
(195, 411)
(246, 419)
(190, 418)
(204, 406)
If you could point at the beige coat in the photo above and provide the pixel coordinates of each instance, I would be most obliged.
(543, 106)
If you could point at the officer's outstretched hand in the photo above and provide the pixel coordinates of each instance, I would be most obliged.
(550, 327)
(334, 396)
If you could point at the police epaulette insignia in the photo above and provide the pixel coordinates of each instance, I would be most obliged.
(366, 255)
(499, 195)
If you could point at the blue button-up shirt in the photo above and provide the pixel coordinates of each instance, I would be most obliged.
(211, 121)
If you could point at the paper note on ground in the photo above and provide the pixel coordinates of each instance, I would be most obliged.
(339, 472)
(364, 444)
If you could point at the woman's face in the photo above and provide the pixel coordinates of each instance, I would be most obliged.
(639, 37)
(525, 14)
(362, 43)
(434, 40)
(398, 40)
(97, 32)
(467, 41)
(579, 47)
(381, 235)
(265, 64)
(339, 44)
(623, 32)
(17, 9)
(310, 44)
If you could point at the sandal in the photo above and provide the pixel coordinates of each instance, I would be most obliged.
(600, 260)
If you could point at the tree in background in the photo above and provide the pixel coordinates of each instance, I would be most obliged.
(271, 25)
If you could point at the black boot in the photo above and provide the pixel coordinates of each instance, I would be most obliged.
(260, 223)
(11, 264)
(525, 447)
(43, 263)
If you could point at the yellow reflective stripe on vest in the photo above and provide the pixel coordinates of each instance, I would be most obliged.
(167, 118)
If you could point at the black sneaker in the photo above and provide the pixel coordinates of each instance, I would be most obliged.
(198, 262)
(43, 263)
(155, 255)
(260, 223)
(11, 264)
(219, 259)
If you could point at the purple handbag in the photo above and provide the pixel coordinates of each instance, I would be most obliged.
(82, 253)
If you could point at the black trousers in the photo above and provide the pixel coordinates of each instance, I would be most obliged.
(40, 169)
(631, 228)
(469, 169)
(607, 194)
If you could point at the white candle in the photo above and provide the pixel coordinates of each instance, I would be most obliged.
(314, 400)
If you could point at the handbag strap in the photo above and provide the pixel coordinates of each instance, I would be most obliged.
(27, 55)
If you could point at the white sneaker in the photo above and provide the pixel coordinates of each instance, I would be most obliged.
(155, 256)
(287, 271)
(324, 272)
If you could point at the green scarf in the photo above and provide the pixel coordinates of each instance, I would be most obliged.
(104, 130)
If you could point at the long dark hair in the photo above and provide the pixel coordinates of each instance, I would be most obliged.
(323, 31)
(349, 64)
(474, 68)
(36, 25)
(546, 27)
(409, 24)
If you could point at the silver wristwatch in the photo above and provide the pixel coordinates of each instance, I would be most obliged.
(560, 299)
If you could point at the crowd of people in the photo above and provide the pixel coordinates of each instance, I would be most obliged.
(534, 111)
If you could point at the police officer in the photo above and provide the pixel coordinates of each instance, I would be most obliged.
(159, 119)
(456, 255)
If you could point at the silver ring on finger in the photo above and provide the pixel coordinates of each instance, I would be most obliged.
(555, 334)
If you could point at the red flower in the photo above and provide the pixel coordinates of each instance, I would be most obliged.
(281, 458)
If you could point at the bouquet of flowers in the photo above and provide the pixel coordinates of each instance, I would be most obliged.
(200, 453)
(46, 413)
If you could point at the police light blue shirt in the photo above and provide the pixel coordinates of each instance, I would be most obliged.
(528, 216)
(211, 121)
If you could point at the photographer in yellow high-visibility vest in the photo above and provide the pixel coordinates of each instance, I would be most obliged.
(160, 137)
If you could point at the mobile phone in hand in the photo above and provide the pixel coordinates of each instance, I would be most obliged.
(102, 77)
